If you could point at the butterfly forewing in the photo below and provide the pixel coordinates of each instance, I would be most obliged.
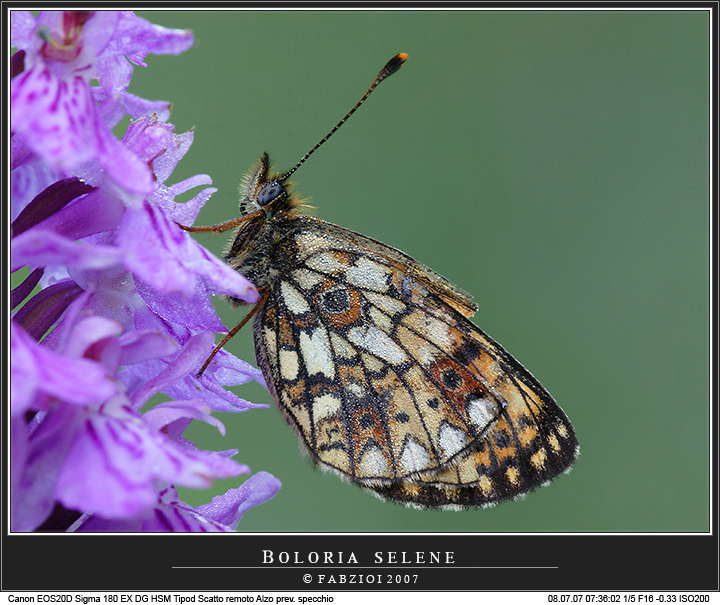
(371, 359)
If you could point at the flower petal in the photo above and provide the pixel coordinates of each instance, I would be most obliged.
(22, 26)
(168, 259)
(185, 363)
(170, 514)
(140, 37)
(154, 250)
(77, 381)
(115, 459)
(55, 116)
(233, 504)
(195, 313)
(33, 496)
(59, 120)
(41, 247)
(166, 413)
(140, 345)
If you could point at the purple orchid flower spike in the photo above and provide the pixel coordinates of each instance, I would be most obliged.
(115, 313)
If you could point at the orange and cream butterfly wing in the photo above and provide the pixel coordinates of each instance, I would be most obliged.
(370, 358)
(528, 443)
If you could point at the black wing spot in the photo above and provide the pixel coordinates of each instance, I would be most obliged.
(366, 421)
(451, 379)
(336, 300)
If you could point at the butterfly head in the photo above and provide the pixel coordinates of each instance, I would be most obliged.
(266, 191)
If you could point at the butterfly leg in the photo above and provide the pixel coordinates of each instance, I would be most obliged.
(220, 227)
(235, 330)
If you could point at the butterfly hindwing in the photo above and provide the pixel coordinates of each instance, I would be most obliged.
(371, 359)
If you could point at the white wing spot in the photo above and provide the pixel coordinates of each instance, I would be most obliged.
(452, 439)
(310, 242)
(325, 405)
(381, 320)
(289, 364)
(426, 354)
(438, 332)
(342, 347)
(326, 263)
(307, 279)
(316, 353)
(293, 299)
(377, 343)
(368, 274)
(373, 463)
(270, 339)
(414, 456)
(386, 303)
(482, 412)
(356, 389)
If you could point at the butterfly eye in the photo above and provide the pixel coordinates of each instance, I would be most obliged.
(269, 192)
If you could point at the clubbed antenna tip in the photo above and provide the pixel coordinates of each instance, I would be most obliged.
(390, 68)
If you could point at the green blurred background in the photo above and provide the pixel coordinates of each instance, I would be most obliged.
(554, 164)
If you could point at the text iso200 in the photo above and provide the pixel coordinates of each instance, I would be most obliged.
(579, 598)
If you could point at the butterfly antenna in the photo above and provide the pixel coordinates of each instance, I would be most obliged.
(390, 68)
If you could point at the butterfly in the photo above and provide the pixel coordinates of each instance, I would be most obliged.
(372, 359)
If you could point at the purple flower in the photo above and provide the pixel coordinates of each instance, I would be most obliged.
(124, 312)
(64, 120)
